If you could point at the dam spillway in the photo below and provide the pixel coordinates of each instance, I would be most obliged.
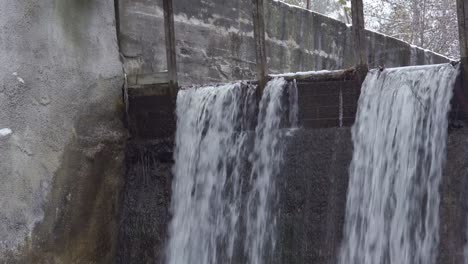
(392, 213)
(311, 184)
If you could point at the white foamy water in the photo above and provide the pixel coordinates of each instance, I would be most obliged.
(266, 161)
(224, 175)
(399, 138)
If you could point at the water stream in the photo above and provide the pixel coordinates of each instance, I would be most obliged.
(224, 195)
(399, 138)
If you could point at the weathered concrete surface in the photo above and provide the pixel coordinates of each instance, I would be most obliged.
(215, 41)
(60, 93)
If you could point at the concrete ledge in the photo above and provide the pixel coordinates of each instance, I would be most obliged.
(150, 111)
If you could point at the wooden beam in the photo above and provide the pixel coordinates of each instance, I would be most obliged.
(260, 47)
(359, 35)
(170, 43)
(309, 4)
(462, 12)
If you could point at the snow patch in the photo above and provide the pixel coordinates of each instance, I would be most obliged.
(21, 80)
(307, 73)
(5, 132)
(414, 67)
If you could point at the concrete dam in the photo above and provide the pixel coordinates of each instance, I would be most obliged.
(234, 180)
(148, 132)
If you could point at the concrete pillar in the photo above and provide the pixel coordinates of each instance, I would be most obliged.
(359, 36)
(260, 48)
(170, 43)
(462, 11)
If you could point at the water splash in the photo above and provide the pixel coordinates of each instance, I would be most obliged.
(399, 138)
(224, 193)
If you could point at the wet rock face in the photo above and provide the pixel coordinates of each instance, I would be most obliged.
(215, 41)
(61, 165)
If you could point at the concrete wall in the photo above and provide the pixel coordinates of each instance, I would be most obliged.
(61, 167)
(215, 41)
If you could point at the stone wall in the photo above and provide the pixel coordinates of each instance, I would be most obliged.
(62, 165)
(215, 41)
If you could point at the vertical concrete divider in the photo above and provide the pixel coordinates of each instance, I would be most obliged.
(260, 48)
(170, 45)
(359, 38)
(462, 12)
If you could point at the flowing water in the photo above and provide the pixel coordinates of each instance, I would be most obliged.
(399, 139)
(224, 196)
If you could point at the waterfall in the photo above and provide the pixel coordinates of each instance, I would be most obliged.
(399, 138)
(266, 160)
(224, 196)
